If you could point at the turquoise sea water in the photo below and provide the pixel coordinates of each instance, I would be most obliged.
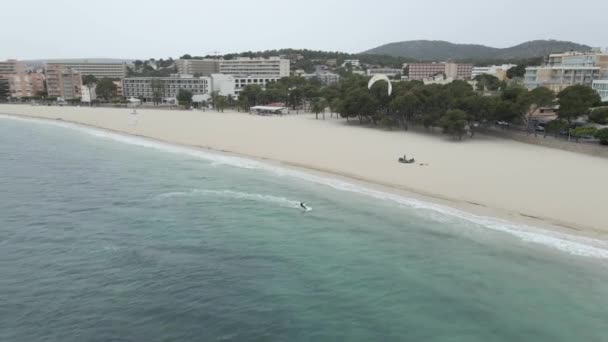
(106, 241)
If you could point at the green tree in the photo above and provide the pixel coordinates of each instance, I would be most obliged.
(158, 90)
(517, 71)
(575, 101)
(599, 116)
(89, 80)
(220, 103)
(555, 127)
(358, 103)
(480, 110)
(487, 82)
(602, 134)
(335, 106)
(534, 100)
(454, 123)
(184, 97)
(405, 106)
(105, 88)
(250, 96)
(318, 105)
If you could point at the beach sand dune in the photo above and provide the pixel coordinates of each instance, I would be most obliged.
(560, 187)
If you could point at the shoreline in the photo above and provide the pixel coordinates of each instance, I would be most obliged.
(480, 212)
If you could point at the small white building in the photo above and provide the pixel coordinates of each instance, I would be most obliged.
(229, 85)
(88, 93)
(499, 71)
(353, 62)
(601, 86)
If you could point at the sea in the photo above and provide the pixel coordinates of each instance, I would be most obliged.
(106, 237)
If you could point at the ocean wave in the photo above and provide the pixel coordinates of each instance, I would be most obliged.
(275, 200)
(571, 244)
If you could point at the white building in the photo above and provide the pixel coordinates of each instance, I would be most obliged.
(353, 62)
(601, 86)
(98, 68)
(228, 85)
(390, 72)
(326, 78)
(499, 71)
(88, 94)
(165, 88)
(258, 67)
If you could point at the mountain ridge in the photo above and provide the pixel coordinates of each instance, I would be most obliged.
(439, 50)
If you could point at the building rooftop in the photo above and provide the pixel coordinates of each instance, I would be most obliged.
(86, 61)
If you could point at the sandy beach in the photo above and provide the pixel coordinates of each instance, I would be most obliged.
(520, 180)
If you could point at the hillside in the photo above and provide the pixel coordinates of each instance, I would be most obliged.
(436, 50)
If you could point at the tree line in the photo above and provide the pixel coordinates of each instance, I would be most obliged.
(457, 108)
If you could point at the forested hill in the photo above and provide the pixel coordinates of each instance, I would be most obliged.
(436, 50)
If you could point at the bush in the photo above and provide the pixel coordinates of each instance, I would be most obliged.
(599, 116)
(581, 132)
(453, 123)
(602, 134)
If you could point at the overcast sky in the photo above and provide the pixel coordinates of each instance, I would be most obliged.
(31, 29)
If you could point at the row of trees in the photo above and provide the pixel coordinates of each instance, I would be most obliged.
(456, 107)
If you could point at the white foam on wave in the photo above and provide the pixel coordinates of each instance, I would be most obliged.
(275, 200)
(571, 244)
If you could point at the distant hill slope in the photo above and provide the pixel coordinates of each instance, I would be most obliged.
(437, 50)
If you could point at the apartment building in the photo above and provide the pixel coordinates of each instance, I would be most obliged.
(168, 87)
(25, 84)
(203, 67)
(63, 82)
(256, 67)
(11, 66)
(420, 71)
(499, 71)
(98, 68)
(562, 70)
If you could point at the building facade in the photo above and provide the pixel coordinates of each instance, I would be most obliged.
(164, 88)
(499, 71)
(601, 86)
(63, 82)
(326, 78)
(98, 68)
(565, 69)
(420, 71)
(355, 63)
(256, 67)
(88, 94)
(25, 84)
(119, 91)
(390, 72)
(11, 66)
(204, 67)
(228, 85)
